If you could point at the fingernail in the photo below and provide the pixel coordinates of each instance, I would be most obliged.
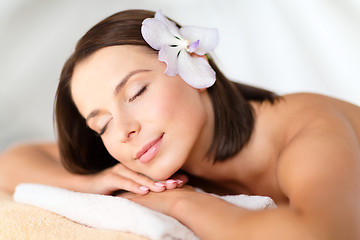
(144, 188)
(179, 181)
(159, 184)
(171, 181)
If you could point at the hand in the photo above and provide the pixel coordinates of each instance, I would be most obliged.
(119, 177)
(162, 202)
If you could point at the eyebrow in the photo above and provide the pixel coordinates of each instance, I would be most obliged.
(123, 81)
(91, 115)
(118, 87)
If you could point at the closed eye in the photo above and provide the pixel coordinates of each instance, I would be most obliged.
(102, 130)
(138, 94)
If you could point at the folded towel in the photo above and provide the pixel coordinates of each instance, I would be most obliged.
(115, 213)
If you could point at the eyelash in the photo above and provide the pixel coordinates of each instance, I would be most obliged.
(138, 94)
(102, 131)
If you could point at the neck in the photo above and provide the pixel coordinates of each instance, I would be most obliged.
(238, 172)
(199, 153)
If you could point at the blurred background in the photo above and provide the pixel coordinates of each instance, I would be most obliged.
(283, 45)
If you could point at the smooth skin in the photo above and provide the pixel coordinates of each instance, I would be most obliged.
(40, 163)
(304, 153)
(313, 176)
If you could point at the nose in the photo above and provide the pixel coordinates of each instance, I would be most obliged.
(127, 129)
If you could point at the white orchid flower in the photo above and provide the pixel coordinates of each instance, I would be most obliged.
(176, 47)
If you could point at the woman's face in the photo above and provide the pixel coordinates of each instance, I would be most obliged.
(148, 121)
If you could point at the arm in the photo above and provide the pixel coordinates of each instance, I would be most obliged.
(318, 171)
(40, 163)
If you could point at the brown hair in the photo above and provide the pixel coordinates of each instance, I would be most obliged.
(82, 151)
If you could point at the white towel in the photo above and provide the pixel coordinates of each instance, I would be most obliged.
(115, 213)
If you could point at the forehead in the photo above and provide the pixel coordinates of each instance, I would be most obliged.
(111, 60)
(97, 75)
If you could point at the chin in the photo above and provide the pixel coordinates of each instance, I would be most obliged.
(166, 165)
(163, 174)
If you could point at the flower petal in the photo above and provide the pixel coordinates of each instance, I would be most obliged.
(156, 34)
(168, 55)
(171, 26)
(209, 38)
(195, 71)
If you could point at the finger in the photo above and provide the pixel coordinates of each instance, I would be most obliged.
(180, 183)
(181, 178)
(140, 179)
(131, 186)
(146, 181)
(171, 184)
(116, 182)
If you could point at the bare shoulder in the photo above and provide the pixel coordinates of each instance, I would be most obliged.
(321, 159)
(302, 110)
(312, 101)
(50, 149)
(316, 120)
(314, 143)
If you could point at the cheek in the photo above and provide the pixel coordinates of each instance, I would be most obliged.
(179, 110)
(158, 107)
(113, 146)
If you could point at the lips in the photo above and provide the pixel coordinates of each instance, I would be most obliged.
(149, 151)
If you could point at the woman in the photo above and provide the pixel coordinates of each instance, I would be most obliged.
(125, 125)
